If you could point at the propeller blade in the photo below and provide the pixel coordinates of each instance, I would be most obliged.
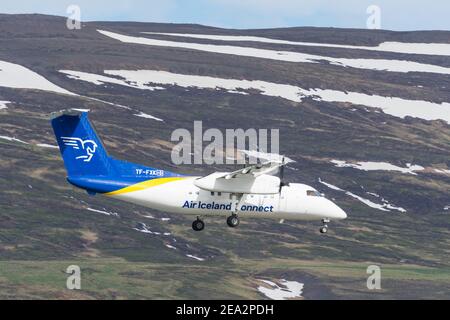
(281, 174)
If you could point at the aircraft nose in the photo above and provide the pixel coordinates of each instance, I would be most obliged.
(338, 213)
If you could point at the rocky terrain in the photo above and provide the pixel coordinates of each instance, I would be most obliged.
(365, 115)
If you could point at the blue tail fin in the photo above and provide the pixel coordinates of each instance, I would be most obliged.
(82, 151)
(88, 164)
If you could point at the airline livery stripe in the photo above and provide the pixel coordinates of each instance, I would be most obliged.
(144, 185)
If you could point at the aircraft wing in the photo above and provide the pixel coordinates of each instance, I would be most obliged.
(268, 167)
(253, 179)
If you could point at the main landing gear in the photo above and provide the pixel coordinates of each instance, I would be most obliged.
(324, 228)
(198, 224)
(233, 221)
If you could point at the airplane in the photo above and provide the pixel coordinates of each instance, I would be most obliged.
(253, 191)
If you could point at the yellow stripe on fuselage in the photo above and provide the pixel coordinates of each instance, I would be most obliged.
(144, 185)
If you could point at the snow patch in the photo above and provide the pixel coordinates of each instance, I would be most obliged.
(13, 139)
(397, 107)
(101, 80)
(285, 289)
(195, 257)
(373, 194)
(103, 212)
(16, 76)
(329, 185)
(442, 49)
(378, 166)
(384, 206)
(385, 166)
(371, 64)
(367, 202)
(142, 227)
(107, 102)
(442, 171)
(147, 116)
(3, 104)
(44, 145)
(81, 110)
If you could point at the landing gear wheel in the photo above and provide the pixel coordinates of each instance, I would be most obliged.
(324, 227)
(233, 221)
(198, 225)
(323, 230)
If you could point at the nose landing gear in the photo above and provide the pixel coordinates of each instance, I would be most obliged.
(324, 228)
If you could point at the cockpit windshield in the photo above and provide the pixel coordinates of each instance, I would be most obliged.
(313, 193)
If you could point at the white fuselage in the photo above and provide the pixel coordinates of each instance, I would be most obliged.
(182, 196)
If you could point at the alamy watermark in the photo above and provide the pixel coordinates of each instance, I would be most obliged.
(73, 21)
(374, 280)
(374, 19)
(73, 281)
(214, 146)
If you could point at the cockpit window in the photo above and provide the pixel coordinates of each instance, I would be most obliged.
(313, 193)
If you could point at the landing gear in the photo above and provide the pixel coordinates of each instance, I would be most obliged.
(198, 225)
(324, 228)
(233, 221)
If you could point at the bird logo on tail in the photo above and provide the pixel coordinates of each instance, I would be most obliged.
(86, 146)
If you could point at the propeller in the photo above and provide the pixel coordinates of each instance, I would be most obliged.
(281, 174)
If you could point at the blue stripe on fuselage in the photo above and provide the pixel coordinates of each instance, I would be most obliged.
(124, 174)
